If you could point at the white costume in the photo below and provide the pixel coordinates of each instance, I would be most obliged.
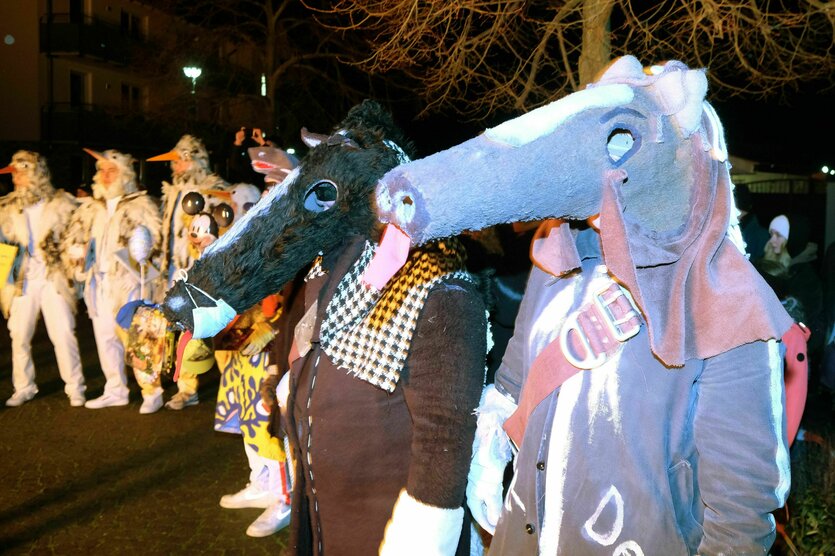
(190, 171)
(33, 217)
(97, 239)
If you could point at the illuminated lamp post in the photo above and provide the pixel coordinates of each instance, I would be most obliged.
(193, 72)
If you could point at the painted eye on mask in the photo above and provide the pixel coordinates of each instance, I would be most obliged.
(621, 145)
(321, 196)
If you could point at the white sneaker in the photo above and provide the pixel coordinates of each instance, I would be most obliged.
(77, 399)
(107, 400)
(250, 497)
(274, 519)
(181, 399)
(20, 398)
(151, 403)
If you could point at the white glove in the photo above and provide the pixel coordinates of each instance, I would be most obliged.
(484, 493)
(282, 391)
(418, 529)
(491, 453)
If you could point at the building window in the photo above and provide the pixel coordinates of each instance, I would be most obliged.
(76, 11)
(131, 26)
(131, 98)
(78, 89)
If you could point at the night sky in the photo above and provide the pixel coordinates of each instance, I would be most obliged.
(796, 138)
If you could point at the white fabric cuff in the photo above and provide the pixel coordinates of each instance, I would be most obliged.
(493, 410)
(418, 529)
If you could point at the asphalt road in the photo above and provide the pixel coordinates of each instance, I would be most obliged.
(112, 481)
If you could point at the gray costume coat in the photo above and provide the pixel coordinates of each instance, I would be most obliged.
(632, 457)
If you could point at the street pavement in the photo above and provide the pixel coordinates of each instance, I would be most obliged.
(112, 481)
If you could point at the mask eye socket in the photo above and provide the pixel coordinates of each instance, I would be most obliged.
(320, 196)
(248, 206)
(620, 145)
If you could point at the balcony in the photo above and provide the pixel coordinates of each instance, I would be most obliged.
(86, 37)
(87, 124)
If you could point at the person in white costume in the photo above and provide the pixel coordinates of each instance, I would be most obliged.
(190, 171)
(97, 243)
(33, 218)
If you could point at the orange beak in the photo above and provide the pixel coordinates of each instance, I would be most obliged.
(170, 155)
(225, 195)
(8, 170)
(95, 154)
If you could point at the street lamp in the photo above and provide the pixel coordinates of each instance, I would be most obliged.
(192, 73)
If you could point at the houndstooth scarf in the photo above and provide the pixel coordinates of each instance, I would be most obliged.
(369, 332)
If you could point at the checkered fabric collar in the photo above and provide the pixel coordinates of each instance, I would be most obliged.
(369, 332)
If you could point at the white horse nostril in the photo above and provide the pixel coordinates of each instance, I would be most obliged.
(405, 207)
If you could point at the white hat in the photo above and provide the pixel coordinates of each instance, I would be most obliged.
(780, 224)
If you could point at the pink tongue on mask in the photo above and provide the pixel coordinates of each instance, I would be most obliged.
(389, 257)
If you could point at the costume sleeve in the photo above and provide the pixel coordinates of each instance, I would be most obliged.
(511, 374)
(292, 311)
(740, 436)
(796, 377)
(445, 374)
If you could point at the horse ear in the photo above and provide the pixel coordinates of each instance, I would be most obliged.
(312, 139)
(341, 139)
(625, 68)
(681, 93)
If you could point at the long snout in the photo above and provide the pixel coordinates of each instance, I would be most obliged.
(177, 306)
(528, 168)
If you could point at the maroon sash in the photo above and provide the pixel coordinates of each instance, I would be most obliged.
(587, 339)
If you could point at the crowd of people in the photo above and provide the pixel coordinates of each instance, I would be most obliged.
(358, 366)
(120, 250)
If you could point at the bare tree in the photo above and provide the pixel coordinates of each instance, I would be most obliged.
(307, 81)
(479, 56)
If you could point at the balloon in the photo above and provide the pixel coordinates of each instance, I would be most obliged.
(223, 214)
(193, 203)
(140, 243)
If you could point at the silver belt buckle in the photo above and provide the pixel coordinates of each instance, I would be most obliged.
(604, 299)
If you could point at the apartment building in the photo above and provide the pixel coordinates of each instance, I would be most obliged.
(109, 74)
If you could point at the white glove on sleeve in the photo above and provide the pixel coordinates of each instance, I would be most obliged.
(282, 391)
(417, 529)
(491, 452)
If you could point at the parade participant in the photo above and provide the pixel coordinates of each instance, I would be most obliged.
(33, 218)
(382, 391)
(190, 172)
(243, 356)
(97, 240)
(642, 386)
(246, 362)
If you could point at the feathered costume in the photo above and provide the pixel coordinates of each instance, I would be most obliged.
(190, 172)
(98, 240)
(33, 218)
